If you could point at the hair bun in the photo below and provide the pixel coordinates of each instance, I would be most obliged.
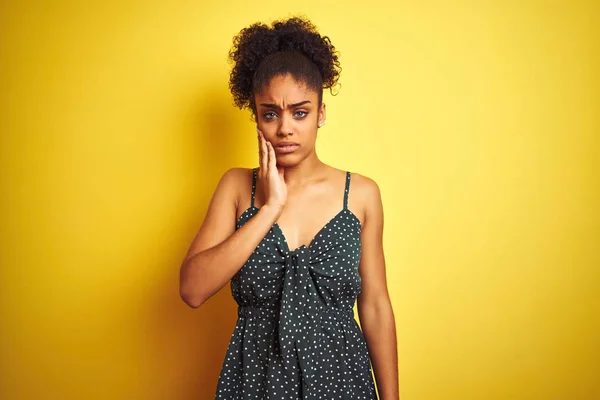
(254, 43)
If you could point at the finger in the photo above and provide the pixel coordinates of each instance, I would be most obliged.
(272, 158)
(259, 148)
(258, 142)
(264, 154)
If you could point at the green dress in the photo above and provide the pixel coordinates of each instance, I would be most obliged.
(296, 336)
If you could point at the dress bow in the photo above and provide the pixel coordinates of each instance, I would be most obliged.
(298, 317)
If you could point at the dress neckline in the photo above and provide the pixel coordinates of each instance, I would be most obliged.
(279, 231)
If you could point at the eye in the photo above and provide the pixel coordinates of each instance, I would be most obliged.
(269, 115)
(301, 114)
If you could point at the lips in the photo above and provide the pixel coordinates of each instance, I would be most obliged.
(285, 147)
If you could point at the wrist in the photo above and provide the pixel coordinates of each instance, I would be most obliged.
(273, 209)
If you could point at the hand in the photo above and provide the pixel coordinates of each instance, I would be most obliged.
(270, 175)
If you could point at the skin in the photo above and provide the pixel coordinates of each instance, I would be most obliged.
(286, 184)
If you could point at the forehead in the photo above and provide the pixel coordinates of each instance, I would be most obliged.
(285, 89)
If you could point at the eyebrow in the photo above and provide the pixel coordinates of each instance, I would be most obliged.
(276, 107)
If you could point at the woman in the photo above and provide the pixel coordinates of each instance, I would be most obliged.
(299, 240)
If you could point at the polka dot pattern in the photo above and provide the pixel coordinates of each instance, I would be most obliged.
(296, 336)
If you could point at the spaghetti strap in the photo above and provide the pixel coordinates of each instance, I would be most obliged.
(347, 190)
(253, 187)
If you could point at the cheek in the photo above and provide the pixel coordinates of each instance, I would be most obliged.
(269, 131)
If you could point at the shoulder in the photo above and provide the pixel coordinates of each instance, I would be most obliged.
(235, 181)
(364, 187)
(367, 198)
(236, 175)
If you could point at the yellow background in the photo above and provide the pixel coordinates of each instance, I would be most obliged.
(479, 121)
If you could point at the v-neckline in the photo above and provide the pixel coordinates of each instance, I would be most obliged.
(312, 241)
(284, 239)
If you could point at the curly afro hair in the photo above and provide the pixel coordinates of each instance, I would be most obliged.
(291, 46)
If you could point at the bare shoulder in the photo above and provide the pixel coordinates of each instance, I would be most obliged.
(366, 196)
(237, 181)
(237, 175)
(366, 189)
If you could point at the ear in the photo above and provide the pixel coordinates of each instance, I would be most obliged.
(322, 115)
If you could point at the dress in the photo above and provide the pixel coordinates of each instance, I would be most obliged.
(296, 336)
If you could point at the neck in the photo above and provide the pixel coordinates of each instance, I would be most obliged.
(304, 171)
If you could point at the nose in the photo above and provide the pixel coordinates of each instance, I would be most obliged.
(285, 127)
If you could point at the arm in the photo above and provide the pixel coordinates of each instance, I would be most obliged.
(374, 306)
(218, 251)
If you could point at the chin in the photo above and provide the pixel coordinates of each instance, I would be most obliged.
(287, 160)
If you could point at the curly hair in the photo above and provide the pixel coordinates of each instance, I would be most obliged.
(291, 46)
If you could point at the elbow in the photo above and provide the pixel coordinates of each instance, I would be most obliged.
(189, 297)
(379, 307)
(190, 293)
